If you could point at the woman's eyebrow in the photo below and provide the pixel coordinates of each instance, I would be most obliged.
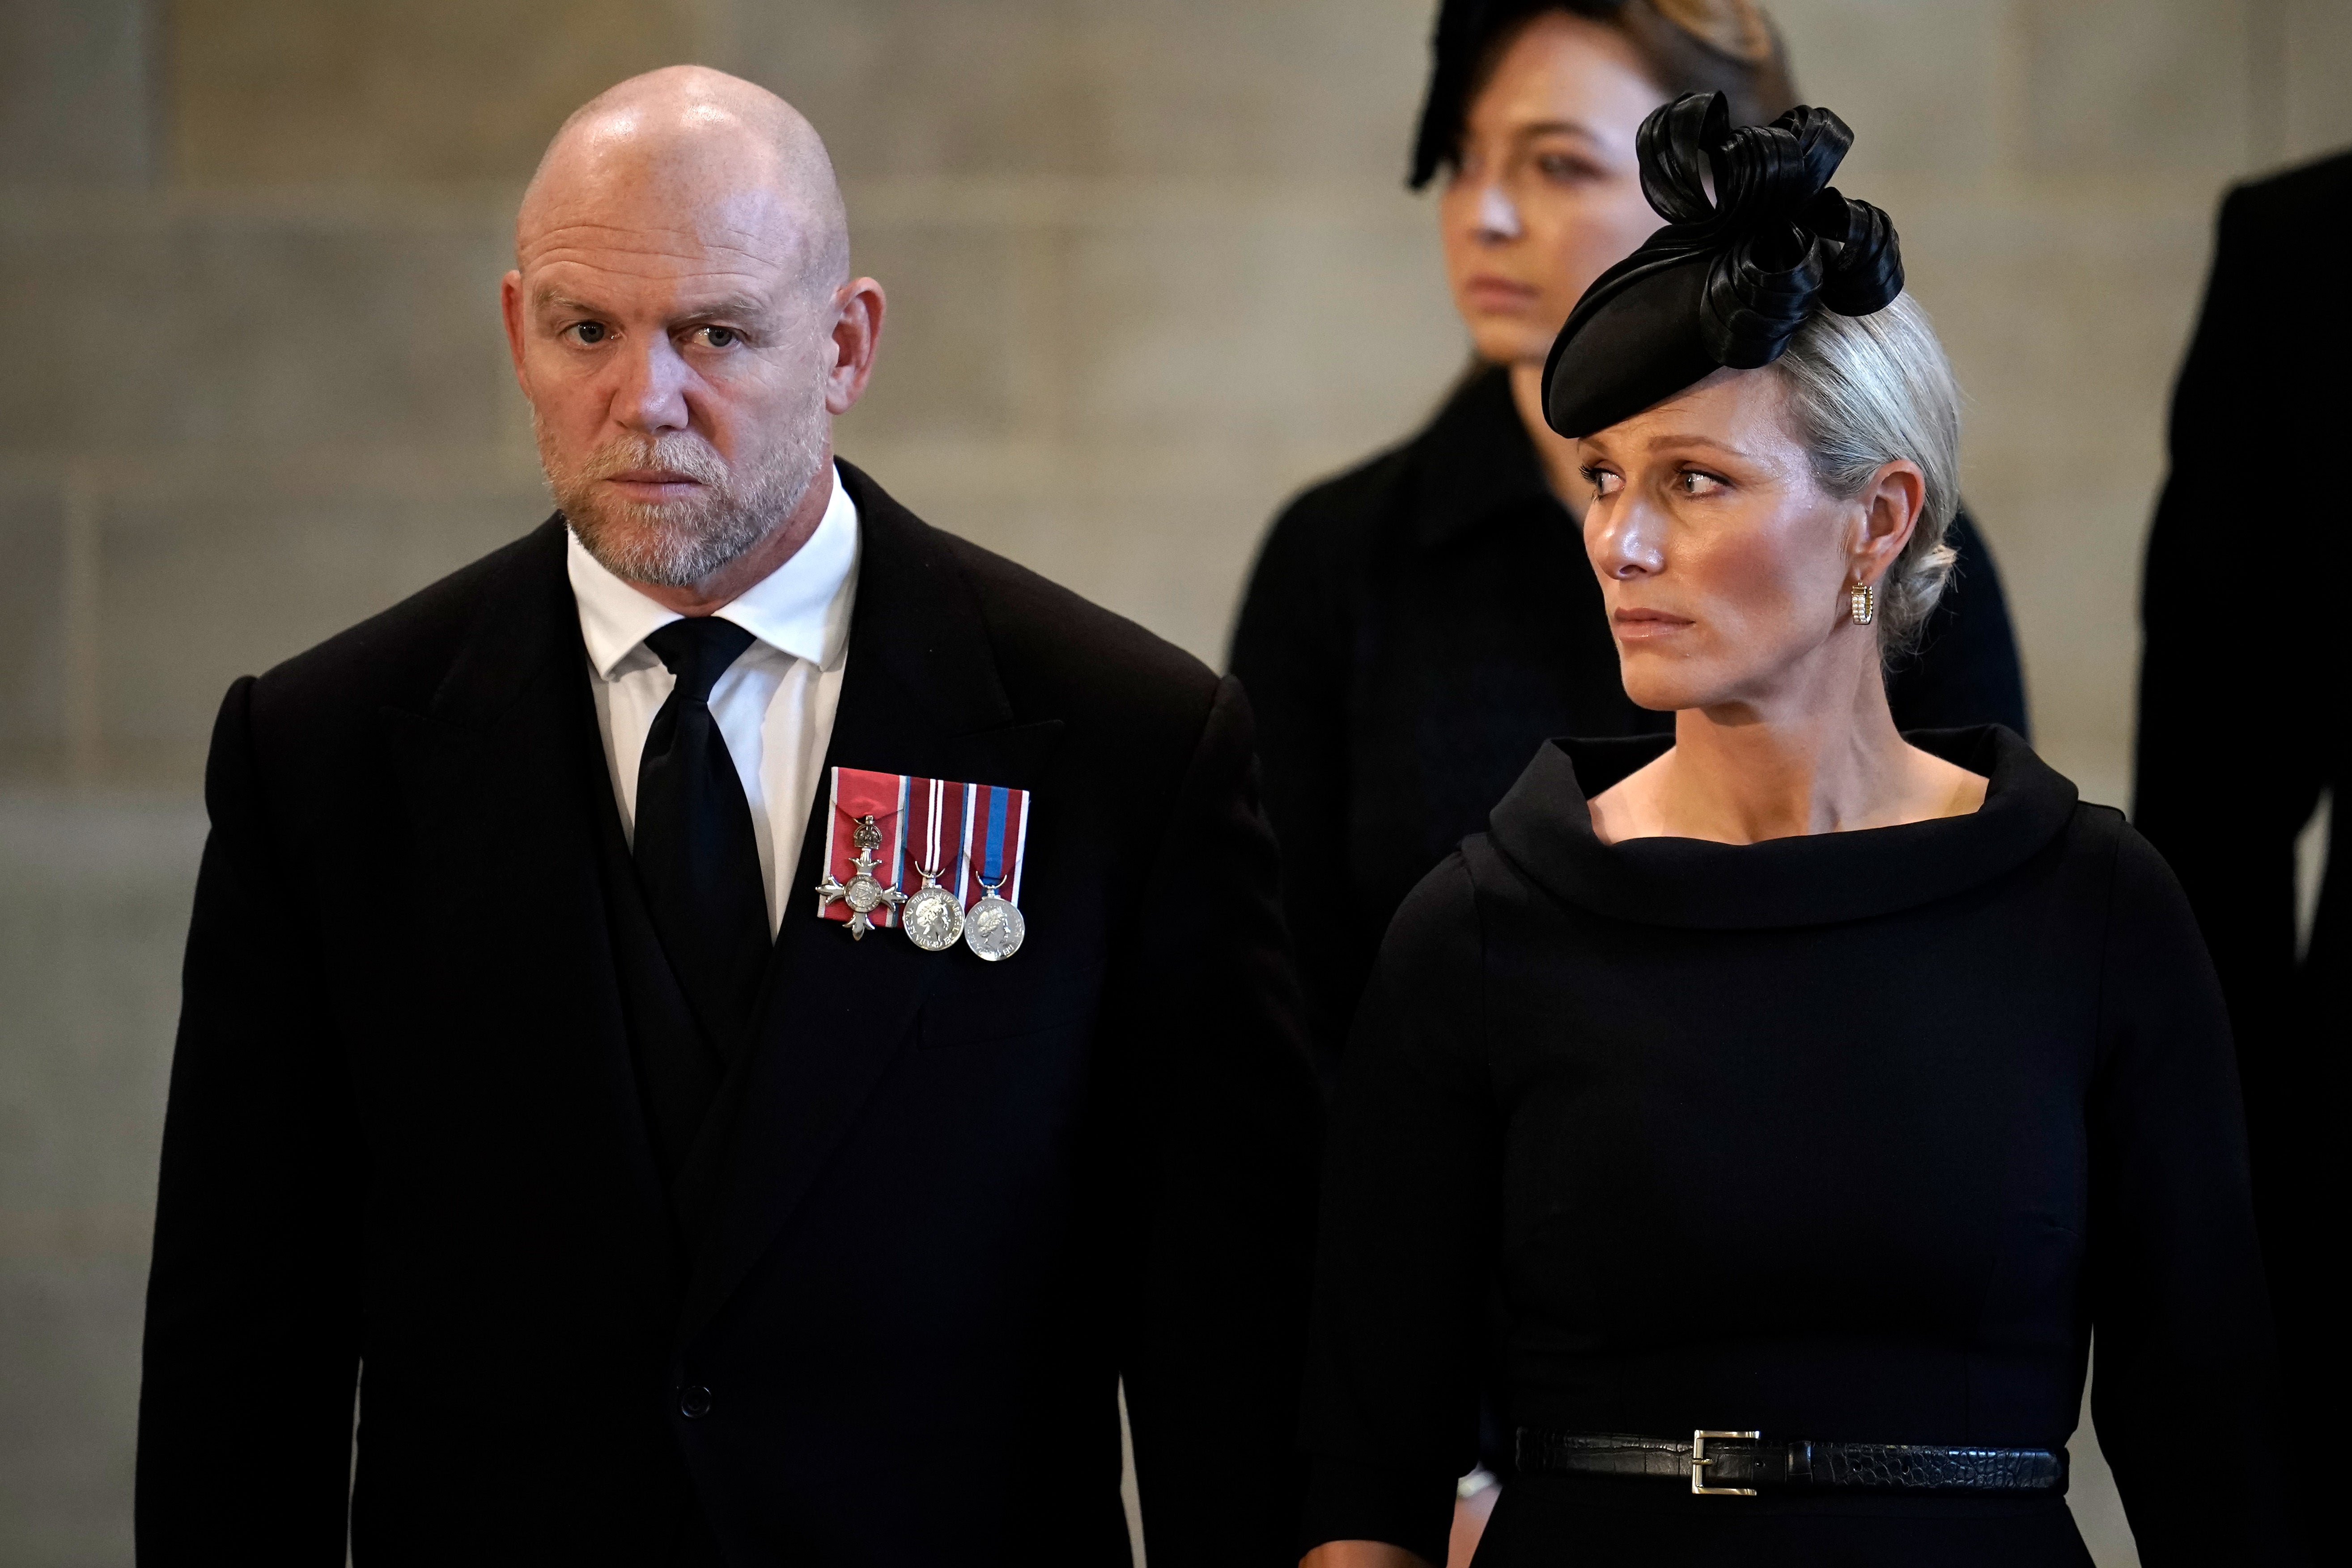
(1666, 443)
(1555, 128)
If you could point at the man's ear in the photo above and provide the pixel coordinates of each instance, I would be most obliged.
(858, 305)
(511, 307)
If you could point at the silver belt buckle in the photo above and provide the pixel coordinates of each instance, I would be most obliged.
(1699, 1461)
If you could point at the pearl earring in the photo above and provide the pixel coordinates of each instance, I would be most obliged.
(1862, 604)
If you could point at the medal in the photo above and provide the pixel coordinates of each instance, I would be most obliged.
(993, 927)
(861, 894)
(963, 845)
(933, 915)
(932, 918)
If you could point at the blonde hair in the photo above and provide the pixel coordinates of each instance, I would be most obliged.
(1864, 392)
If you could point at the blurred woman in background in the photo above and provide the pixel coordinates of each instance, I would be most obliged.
(1812, 1092)
(1416, 627)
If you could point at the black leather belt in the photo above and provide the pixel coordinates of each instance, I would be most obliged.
(1735, 1464)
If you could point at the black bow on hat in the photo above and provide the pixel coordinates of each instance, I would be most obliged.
(1732, 277)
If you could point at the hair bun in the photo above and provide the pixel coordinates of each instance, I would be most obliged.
(1756, 241)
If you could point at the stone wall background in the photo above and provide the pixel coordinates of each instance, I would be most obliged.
(1152, 267)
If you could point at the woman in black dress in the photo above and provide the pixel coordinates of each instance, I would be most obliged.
(1808, 1091)
(1414, 629)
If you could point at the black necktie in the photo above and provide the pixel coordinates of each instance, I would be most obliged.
(696, 859)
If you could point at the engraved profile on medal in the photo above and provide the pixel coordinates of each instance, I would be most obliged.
(993, 928)
(931, 916)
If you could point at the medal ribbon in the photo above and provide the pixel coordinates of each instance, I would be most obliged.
(1004, 838)
(912, 811)
(896, 837)
(991, 870)
(882, 797)
(938, 790)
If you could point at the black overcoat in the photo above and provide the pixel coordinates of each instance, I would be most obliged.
(941, 1209)
(1414, 630)
(2238, 634)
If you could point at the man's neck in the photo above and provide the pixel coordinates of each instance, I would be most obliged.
(738, 576)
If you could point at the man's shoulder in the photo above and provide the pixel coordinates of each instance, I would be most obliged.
(1062, 648)
(2291, 203)
(401, 655)
(1059, 655)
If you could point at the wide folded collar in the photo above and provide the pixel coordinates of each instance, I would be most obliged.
(1544, 825)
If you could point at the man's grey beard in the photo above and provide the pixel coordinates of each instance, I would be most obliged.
(676, 544)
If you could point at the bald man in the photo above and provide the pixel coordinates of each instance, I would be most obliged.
(739, 1020)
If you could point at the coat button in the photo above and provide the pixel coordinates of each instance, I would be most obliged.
(694, 1402)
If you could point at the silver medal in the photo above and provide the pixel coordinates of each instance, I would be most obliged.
(993, 928)
(932, 914)
(861, 892)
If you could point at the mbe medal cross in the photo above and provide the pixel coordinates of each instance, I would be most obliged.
(861, 894)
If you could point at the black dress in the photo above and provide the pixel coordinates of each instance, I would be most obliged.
(2252, 385)
(1852, 1137)
(1415, 628)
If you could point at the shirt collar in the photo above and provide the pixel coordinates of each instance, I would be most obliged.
(800, 609)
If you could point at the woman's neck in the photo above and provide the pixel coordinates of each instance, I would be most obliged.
(1824, 762)
(1562, 466)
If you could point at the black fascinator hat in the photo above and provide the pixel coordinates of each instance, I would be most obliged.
(1731, 277)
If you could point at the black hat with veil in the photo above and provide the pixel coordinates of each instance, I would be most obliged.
(1756, 241)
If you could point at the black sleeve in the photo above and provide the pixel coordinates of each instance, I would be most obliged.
(252, 1333)
(2183, 1347)
(1227, 1118)
(1412, 1189)
(1290, 651)
(2243, 389)
(1966, 671)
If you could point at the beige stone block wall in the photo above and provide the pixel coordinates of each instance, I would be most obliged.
(1151, 269)
(2056, 178)
(294, 92)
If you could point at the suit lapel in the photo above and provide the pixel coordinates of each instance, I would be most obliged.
(921, 694)
(497, 774)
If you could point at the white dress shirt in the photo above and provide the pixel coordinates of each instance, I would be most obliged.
(774, 705)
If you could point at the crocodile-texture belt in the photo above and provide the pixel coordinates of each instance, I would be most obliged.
(1735, 1464)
